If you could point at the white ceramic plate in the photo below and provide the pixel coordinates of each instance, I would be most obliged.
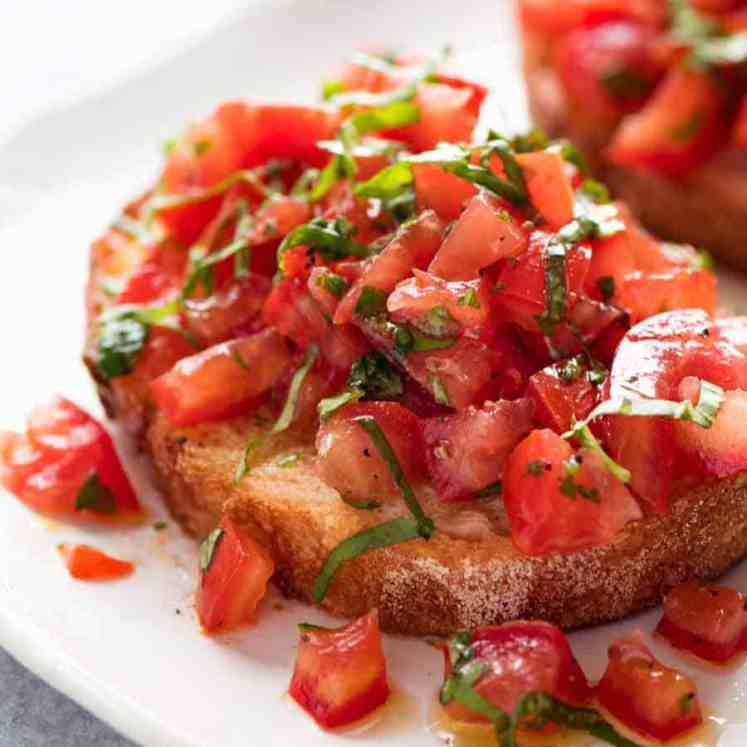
(131, 651)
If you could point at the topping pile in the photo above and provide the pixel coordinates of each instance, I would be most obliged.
(666, 78)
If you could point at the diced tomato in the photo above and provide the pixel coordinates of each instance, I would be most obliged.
(232, 311)
(351, 463)
(158, 277)
(708, 620)
(467, 451)
(340, 674)
(549, 187)
(486, 232)
(368, 217)
(292, 311)
(557, 16)
(162, 350)
(66, 465)
(466, 302)
(441, 191)
(558, 503)
(608, 69)
(86, 563)
(222, 380)
(651, 362)
(234, 571)
(522, 281)
(412, 246)
(561, 393)
(342, 345)
(739, 133)
(522, 657)
(680, 126)
(648, 697)
(735, 22)
(446, 115)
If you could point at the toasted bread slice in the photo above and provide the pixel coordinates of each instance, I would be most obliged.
(705, 209)
(468, 574)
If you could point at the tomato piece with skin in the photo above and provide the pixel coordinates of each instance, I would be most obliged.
(368, 217)
(608, 69)
(235, 580)
(86, 563)
(522, 657)
(467, 302)
(550, 189)
(679, 127)
(441, 191)
(558, 16)
(550, 510)
(340, 674)
(522, 281)
(412, 246)
(231, 311)
(292, 311)
(708, 620)
(561, 394)
(739, 133)
(63, 451)
(467, 451)
(349, 460)
(486, 232)
(222, 380)
(645, 695)
(163, 349)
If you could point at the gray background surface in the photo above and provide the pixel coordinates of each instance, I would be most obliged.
(32, 714)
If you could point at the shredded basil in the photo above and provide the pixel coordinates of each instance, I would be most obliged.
(208, 547)
(606, 285)
(570, 488)
(469, 298)
(491, 490)
(120, 341)
(331, 239)
(286, 415)
(371, 302)
(329, 406)
(95, 496)
(374, 376)
(389, 183)
(333, 283)
(438, 322)
(330, 89)
(390, 533)
(361, 505)
(440, 394)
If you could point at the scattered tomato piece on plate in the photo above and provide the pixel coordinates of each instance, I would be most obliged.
(340, 674)
(86, 563)
(234, 571)
(708, 620)
(645, 695)
(66, 465)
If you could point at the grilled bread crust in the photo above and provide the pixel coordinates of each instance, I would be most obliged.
(468, 574)
(707, 208)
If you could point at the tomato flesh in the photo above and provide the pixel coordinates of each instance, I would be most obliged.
(349, 460)
(522, 657)
(441, 191)
(86, 563)
(63, 449)
(222, 380)
(235, 581)
(340, 674)
(705, 619)
(648, 697)
(549, 513)
(467, 452)
(550, 190)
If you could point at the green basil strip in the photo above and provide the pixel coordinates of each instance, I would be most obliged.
(459, 687)
(95, 496)
(390, 183)
(384, 448)
(501, 148)
(208, 546)
(555, 288)
(329, 406)
(132, 228)
(287, 414)
(332, 240)
(390, 533)
(165, 201)
(588, 441)
(542, 708)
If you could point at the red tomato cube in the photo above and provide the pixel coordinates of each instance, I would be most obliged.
(550, 189)
(86, 563)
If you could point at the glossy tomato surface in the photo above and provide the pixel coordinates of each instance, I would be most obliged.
(340, 674)
(87, 563)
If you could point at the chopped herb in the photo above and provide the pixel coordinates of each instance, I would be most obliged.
(685, 703)
(572, 154)
(438, 322)
(625, 83)
(240, 362)
(568, 485)
(390, 533)
(288, 460)
(330, 89)
(304, 184)
(372, 301)
(329, 406)
(331, 239)
(120, 341)
(169, 145)
(606, 285)
(596, 190)
(684, 132)
(333, 283)
(95, 496)
(374, 376)
(491, 490)
(285, 419)
(570, 370)
(208, 547)
(201, 147)
(555, 287)
(530, 142)
(389, 183)
(160, 526)
(722, 50)
(135, 229)
(586, 438)
(439, 390)
(362, 505)
(469, 298)
(537, 467)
